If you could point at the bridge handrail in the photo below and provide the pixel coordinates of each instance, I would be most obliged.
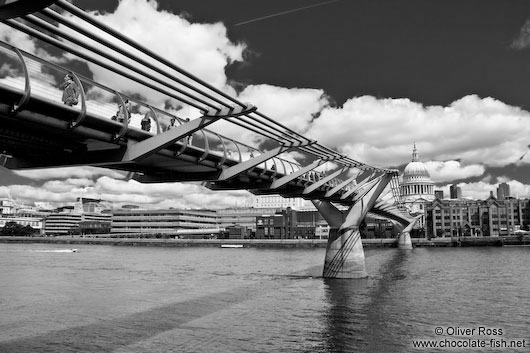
(122, 96)
(315, 149)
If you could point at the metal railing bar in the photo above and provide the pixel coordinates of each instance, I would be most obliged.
(52, 29)
(109, 30)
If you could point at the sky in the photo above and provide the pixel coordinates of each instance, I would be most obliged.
(369, 78)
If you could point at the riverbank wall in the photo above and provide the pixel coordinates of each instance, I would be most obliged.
(268, 243)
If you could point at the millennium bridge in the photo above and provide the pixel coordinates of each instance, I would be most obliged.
(104, 127)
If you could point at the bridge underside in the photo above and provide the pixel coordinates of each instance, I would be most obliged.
(38, 131)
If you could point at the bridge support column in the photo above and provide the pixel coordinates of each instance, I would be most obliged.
(404, 241)
(344, 252)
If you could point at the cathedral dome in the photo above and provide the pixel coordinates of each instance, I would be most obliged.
(416, 171)
(417, 181)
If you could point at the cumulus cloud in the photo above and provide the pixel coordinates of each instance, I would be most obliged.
(201, 49)
(68, 172)
(119, 192)
(452, 170)
(522, 41)
(481, 190)
(17, 38)
(473, 130)
(292, 107)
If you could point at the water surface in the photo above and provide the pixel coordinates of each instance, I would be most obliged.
(149, 299)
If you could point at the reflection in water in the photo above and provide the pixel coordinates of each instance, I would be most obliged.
(357, 317)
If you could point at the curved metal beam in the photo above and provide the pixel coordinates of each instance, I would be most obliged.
(27, 85)
(125, 123)
(82, 114)
(23, 7)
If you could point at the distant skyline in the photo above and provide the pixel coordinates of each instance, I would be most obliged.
(369, 78)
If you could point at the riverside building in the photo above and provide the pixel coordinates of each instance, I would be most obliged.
(490, 217)
(165, 222)
(66, 220)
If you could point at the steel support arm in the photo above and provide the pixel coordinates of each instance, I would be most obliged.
(333, 216)
(323, 181)
(364, 178)
(251, 163)
(285, 179)
(153, 144)
(340, 186)
(363, 189)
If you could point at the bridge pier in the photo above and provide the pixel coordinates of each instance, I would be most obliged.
(344, 251)
(404, 241)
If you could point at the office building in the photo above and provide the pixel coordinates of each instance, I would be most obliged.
(490, 217)
(165, 222)
(455, 192)
(503, 191)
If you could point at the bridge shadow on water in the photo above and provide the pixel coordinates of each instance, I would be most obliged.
(355, 316)
(361, 317)
(109, 335)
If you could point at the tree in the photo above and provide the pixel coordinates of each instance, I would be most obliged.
(15, 229)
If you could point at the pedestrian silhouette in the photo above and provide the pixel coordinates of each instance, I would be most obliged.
(171, 124)
(70, 91)
(121, 114)
(146, 122)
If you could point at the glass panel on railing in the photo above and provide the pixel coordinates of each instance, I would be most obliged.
(286, 167)
(11, 70)
(48, 82)
(136, 110)
(197, 140)
(147, 118)
(102, 102)
(166, 121)
(215, 144)
(232, 151)
(272, 163)
(248, 152)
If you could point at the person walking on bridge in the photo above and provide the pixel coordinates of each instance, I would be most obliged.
(70, 91)
(146, 122)
(124, 111)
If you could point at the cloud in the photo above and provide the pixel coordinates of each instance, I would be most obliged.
(292, 107)
(473, 130)
(202, 49)
(67, 172)
(452, 170)
(480, 190)
(522, 41)
(17, 38)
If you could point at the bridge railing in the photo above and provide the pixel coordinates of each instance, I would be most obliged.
(33, 76)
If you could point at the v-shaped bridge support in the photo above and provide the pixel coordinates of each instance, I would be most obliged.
(344, 252)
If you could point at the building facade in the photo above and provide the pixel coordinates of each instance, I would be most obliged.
(243, 217)
(455, 192)
(280, 202)
(173, 222)
(491, 217)
(66, 223)
(503, 191)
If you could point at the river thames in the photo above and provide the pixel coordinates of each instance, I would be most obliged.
(155, 299)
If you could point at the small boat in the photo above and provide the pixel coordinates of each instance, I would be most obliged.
(231, 245)
(58, 250)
